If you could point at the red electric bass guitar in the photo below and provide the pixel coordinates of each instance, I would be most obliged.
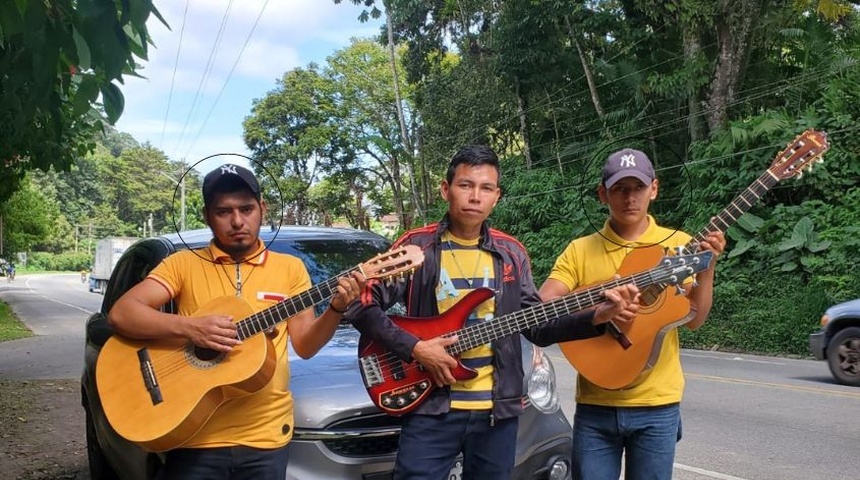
(398, 387)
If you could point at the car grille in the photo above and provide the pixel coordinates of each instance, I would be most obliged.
(366, 436)
(364, 447)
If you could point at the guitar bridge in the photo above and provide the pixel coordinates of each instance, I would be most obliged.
(149, 379)
(619, 336)
(371, 370)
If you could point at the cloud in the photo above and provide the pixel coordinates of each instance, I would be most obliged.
(267, 60)
(188, 66)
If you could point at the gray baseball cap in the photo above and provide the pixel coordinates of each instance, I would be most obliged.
(627, 163)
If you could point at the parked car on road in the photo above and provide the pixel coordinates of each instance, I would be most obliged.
(838, 341)
(339, 433)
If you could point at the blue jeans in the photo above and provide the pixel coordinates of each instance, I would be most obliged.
(225, 463)
(646, 435)
(429, 445)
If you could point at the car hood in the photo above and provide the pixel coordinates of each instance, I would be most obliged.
(851, 307)
(328, 387)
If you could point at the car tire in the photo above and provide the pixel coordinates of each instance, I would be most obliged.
(100, 469)
(843, 356)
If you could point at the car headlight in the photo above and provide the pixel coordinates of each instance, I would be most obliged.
(541, 385)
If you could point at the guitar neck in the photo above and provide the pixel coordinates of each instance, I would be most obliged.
(268, 318)
(537, 315)
(739, 206)
(720, 223)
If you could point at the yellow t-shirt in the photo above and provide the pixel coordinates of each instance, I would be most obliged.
(263, 419)
(595, 259)
(465, 267)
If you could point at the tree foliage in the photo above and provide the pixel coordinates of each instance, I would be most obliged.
(60, 61)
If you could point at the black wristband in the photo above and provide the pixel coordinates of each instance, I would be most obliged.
(331, 306)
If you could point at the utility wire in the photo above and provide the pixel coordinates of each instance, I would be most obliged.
(229, 75)
(173, 77)
(206, 72)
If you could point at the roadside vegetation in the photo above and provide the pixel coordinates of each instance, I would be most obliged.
(10, 327)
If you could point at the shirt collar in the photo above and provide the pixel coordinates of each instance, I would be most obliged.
(612, 241)
(258, 257)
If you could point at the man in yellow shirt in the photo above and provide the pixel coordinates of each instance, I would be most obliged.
(643, 420)
(246, 437)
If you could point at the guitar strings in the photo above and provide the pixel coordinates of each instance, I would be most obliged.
(164, 365)
(389, 359)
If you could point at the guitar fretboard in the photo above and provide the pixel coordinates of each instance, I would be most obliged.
(534, 316)
(268, 318)
(720, 223)
(739, 206)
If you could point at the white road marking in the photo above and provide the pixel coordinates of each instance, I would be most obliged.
(707, 473)
(735, 359)
(88, 312)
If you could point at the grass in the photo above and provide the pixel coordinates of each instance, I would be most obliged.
(10, 327)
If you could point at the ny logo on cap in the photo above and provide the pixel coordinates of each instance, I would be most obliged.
(228, 169)
(628, 161)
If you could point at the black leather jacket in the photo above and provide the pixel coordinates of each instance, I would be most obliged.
(513, 273)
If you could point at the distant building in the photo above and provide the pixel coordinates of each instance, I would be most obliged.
(389, 224)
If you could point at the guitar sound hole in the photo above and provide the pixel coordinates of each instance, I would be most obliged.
(206, 354)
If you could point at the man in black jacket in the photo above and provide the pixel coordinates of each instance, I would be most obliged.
(477, 417)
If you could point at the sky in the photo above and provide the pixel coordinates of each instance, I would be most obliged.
(198, 89)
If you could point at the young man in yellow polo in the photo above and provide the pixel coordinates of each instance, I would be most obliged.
(641, 421)
(246, 437)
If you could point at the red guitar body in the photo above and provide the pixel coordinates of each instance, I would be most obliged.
(398, 387)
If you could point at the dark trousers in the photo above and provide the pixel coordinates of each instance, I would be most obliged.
(225, 463)
(429, 445)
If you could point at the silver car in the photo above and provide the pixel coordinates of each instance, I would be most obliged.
(339, 433)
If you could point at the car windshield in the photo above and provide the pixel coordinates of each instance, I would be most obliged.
(325, 259)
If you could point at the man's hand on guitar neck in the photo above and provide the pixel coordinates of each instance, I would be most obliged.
(714, 242)
(702, 294)
(432, 355)
(621, 305)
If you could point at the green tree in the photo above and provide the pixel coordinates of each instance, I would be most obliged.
(28, 218)
(60, 60)
(294, 132)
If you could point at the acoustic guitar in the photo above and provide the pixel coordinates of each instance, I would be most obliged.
(617, 358)
(159, 393)
(398, 387)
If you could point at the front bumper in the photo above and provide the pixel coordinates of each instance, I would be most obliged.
(818, 344)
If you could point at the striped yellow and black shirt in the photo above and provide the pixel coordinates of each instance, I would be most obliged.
(465, 267)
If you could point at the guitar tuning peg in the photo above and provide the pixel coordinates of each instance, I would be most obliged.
(679, 290)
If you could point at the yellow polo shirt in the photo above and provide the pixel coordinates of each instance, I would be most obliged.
(193, 278)
(595, 259)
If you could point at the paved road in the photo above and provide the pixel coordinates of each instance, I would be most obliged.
(55, 307)
(749, 417)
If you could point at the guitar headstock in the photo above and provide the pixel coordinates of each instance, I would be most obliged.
(806, 148)
(674, 269)
(394, 262)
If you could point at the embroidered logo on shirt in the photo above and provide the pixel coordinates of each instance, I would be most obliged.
(507, 273)
(271, 296)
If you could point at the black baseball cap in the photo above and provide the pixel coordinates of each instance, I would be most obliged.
(229, 178)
